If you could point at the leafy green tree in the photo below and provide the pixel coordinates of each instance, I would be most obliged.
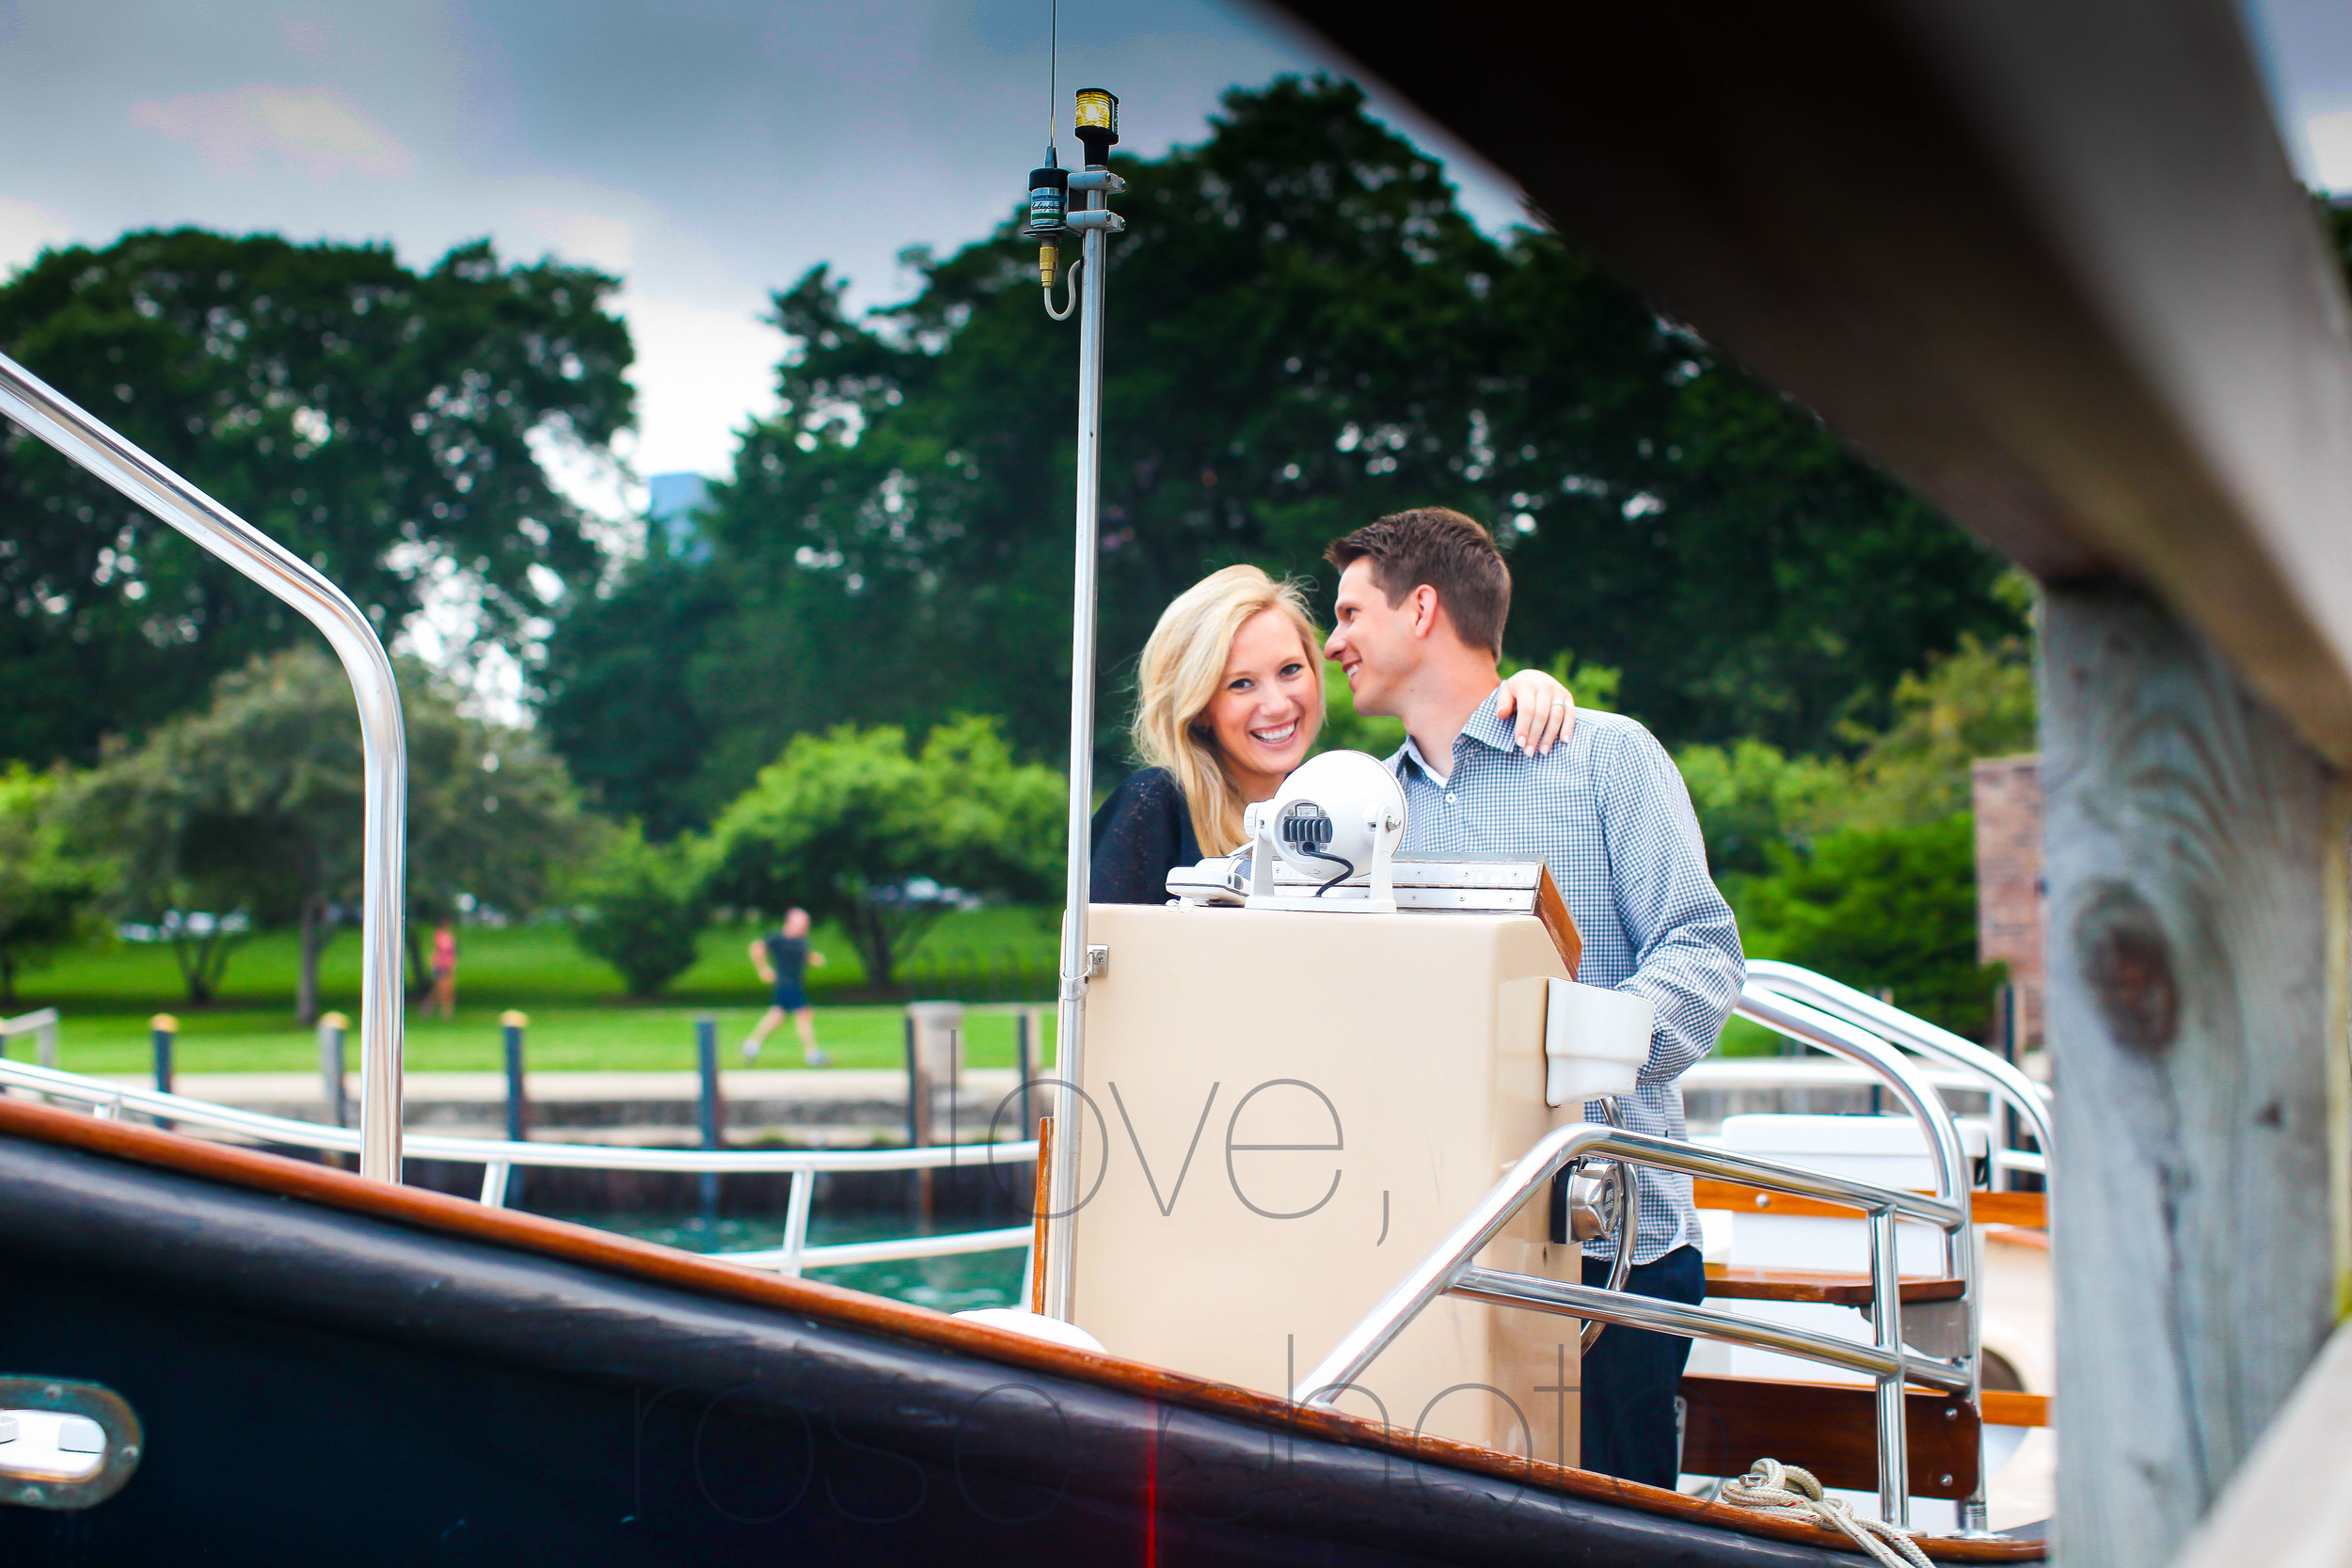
(1752, 798)
(384, 424)
(643, 909)
(255, 803)
(620, 696)
(49, 892)
(855, 826)
(1307, 333)
(1881, 907)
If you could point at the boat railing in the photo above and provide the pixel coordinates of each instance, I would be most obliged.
(1765, 999)
(55, 420)
(1999, 1077)
(41, 1026)
(498, 1158)
(1449, 1270)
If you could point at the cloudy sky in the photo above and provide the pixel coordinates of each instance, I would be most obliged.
(710, 151)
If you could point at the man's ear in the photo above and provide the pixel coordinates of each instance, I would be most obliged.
(1425, 603)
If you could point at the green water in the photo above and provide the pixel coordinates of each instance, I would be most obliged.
(945, 1284)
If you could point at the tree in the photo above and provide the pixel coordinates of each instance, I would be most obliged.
(1892, 907)
(1752, 798)
(493, 815)
(49, 892)
(255, 803)
(383, 424)
(643, 909)
(855, 827)
(620, 696)
(1307, 333)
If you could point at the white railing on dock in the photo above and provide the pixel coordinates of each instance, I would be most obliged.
(41, 1026)
(498, 1157)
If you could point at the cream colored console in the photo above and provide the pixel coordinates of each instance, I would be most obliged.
(1286, 1112)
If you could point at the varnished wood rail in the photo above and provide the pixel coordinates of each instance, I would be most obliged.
(2027, 1209)
(1744, 1282)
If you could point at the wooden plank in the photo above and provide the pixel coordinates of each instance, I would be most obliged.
(2027, 1209)
(2069, 292)
(1829, 1428)
(1742, 1282)
(2292, 1501)
(2196, 870)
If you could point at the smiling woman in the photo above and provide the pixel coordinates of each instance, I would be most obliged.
(1230, 696)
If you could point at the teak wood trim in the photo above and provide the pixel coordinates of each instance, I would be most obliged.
(1829, 1428)
(2031, 1210)
(1552, 910)
(2007, 1407)
(1740, 1281)
(438, 1212)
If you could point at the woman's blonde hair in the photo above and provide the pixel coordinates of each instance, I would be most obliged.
(1184, 665)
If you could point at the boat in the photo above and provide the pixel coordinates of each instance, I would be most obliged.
(228, 1348)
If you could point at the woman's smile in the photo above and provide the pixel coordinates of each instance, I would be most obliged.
(1268, 705)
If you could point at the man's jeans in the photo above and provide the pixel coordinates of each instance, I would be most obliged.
(1632, 1376)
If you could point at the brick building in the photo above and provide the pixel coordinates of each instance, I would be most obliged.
(2012, 899)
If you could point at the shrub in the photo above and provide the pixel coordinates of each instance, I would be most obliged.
(642, 910)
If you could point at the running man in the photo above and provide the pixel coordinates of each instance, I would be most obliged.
(780, 959)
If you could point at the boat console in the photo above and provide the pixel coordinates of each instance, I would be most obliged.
(1285, 1109)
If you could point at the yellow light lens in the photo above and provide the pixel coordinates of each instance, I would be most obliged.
(1098, 110)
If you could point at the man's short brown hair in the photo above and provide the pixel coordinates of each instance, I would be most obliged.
(1437, 545)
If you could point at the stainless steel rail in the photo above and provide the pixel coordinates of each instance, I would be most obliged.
(1448, 1270)
(498, 1157)
(1501, 1289)
(2002, 1079)
(41, 1026)
(55, 420)
(1798, 1001)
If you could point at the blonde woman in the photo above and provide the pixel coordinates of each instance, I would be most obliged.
(1231, 689)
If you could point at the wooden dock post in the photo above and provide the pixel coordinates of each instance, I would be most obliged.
(2197, 1019)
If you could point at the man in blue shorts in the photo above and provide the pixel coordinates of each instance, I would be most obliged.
(781, 959)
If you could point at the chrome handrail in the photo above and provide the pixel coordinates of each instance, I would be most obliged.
(1761, 1002)
(53, 417)
(2004, 1081)
(1804, 1023)
(498, 1156)
(1448, 1270)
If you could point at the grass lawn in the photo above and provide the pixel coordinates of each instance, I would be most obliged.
(579, 1017)
(580, 1021)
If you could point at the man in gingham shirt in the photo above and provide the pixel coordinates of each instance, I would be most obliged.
(1419, 619)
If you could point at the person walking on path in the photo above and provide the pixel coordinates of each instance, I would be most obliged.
(781, 959)
(444, 997)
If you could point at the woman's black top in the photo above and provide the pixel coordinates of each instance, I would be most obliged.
(1141, 834)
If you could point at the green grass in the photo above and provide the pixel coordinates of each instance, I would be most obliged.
(580, 1021)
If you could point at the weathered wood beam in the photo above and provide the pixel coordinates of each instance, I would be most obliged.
(2292, 1502)
(2197, 940)
(2044, 258)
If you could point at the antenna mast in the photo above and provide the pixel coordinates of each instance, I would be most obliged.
(1096, 124)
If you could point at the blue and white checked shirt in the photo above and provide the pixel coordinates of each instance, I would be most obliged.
(1608, 812)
